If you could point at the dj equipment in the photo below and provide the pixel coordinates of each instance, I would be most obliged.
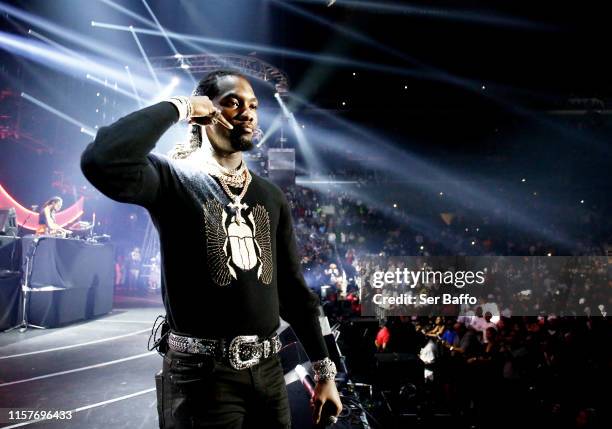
(81, 229)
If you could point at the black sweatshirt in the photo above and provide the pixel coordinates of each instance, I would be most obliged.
(220, 278)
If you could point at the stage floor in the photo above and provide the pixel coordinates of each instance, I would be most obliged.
(99, 369)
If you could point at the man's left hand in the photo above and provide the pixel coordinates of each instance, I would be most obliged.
(325, 391)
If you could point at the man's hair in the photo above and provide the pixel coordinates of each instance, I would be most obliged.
(208, 86)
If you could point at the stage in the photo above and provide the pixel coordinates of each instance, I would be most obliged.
(99, 369)
(100, 373)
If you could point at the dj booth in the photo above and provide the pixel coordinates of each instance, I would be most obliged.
(70, 279)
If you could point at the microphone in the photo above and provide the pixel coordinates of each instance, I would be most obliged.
(306, 379)
(328, 412)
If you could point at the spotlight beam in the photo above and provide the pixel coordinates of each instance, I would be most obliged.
(409, 166)
(161, 29)
(305, 55)
(57, 45)
(485, 18)
(274, 126)
(43, 54)
(145, 57)
(133, 85)
(113, 87)
(342, 29)
(84, 128)
(152, 24)
(309, 155)
(128, 12)
(441, 75)
(94, 45)
(167, 91)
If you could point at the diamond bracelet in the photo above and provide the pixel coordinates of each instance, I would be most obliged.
(183, 105)
(324, 370)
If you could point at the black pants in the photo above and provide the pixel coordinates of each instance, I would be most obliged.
(199, 392)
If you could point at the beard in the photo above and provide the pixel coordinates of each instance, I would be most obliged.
(240, 140)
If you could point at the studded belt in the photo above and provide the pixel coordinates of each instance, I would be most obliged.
(242, 352)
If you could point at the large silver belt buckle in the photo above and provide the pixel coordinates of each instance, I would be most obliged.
(236, 360)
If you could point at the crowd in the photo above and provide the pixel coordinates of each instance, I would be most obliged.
(508, 360)
(508, 356)
(520, 370)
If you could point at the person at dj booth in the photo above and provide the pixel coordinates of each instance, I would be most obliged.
(230, 265)
(46, 218)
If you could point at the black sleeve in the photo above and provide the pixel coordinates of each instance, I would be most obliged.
(118, 162)
(299, 306)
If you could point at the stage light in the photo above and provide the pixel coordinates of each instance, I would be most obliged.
(57, 45)
(167, 91)
(64, 62)
(168, 40)
(473, 243)
(409, 167)
(309, 155)
(199, 42)
(88, 132)
(399, 8)
(422, 247)
(441, 193)
(145, 57)
(133, 85)
(483, 87)
(114, 87)
(271, 129)
(84, 128)
(93, 44)
(523, 180)
(581, 201)
(405, 86)
(394, 205)
(344, 103)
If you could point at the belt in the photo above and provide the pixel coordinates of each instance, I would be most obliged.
(243, 352)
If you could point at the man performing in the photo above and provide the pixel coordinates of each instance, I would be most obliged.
(230, 265)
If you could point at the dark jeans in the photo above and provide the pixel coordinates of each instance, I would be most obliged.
(199, 392)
